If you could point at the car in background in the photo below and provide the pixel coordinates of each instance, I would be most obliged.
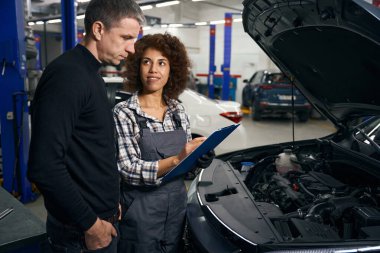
(206, 115)
(192, 81)
(313, 195)
(270, 92)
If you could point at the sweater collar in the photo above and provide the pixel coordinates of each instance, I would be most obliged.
(90, 57)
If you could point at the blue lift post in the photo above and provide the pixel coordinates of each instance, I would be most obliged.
(69, 24)
(227, 55)
(141, 33)
(212, 67)
(80, 35)
(37, 39)
(13, 100)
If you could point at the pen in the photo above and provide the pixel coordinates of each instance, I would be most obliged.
(5, 212)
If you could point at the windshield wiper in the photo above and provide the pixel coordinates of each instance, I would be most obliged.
(373, 144)
(358, 128)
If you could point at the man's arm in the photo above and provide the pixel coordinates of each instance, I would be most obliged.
(55, 110)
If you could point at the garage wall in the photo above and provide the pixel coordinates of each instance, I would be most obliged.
(246, 55)
(188, 36)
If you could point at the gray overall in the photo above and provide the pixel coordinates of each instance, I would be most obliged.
(153, 217)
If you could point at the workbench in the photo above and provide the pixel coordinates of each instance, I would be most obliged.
(20, 230)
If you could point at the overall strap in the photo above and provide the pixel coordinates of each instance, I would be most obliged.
(141, 121)
(177, 120)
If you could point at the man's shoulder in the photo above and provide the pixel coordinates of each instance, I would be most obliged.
(65, 74)
(71, 59)
(68, 66)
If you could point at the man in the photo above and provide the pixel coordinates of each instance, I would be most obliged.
(72, 150)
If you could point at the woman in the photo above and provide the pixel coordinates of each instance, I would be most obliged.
(153, 134)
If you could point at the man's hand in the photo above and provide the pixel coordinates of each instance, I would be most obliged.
(99, 235)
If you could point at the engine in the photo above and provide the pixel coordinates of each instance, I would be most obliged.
(314, 202)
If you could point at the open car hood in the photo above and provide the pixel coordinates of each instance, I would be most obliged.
(331, 49)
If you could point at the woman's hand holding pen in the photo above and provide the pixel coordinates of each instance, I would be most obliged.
(189, 147)
(166, 164)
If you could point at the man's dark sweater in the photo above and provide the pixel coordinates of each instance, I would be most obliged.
(72, 150)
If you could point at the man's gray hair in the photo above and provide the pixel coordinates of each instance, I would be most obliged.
(110, 12)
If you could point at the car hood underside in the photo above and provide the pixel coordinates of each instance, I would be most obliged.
(330, 49)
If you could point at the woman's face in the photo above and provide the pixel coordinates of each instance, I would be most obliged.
(154, 70)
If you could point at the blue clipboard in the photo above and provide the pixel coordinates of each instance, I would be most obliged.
(189, 162)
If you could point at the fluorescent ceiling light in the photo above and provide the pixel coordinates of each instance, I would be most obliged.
(167, 4)
(39, 22)
(146, 7)
(80, 16)
(31, 23)
(83, 1)
(200, 23)
(238, 20)
(52, 21)
(197, 0)
(175, 25)
(164, 26)
(215, 22)
(145, 28)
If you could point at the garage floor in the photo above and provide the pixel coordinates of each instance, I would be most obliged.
(267, 131)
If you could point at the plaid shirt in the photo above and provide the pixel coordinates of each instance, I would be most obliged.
(133, 169)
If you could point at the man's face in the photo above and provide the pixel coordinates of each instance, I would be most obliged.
(118, 41)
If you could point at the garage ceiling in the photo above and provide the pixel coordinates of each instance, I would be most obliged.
(186, 10)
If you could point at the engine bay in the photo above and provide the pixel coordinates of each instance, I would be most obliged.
(316, 194)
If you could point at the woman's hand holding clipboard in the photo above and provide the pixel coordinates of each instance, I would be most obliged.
(195, 149)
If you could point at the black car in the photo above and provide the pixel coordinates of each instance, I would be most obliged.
(270, 92)
(316, 195)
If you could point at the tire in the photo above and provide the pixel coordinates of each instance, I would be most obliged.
(256, 113)
(303, 116)
(246, 98)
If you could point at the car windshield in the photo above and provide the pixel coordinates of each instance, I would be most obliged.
(276, 78)
(271, 103)
(278, 129)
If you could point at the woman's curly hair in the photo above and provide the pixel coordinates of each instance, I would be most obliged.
(170, 47)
